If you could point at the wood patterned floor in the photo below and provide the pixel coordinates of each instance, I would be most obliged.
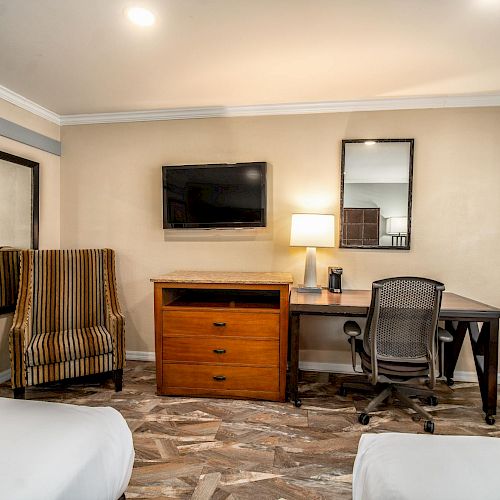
(228, 449)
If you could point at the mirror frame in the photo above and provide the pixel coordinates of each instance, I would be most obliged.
(35, 201)
(410, 185)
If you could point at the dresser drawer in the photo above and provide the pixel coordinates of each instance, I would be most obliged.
(224, 322)
(221, 350)
(220, 377)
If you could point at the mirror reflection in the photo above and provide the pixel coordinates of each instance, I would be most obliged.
(18, 221)
(15, 205)
(376, 193)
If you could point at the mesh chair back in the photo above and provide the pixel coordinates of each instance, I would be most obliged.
(402, 319)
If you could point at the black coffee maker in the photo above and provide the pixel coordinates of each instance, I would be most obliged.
(335, 279)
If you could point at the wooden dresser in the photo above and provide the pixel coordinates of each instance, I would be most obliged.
(222, 334)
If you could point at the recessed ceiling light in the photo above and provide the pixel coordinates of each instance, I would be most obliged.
(369, 143)
(140, 16)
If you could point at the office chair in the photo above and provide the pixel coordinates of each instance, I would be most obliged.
(399, 346)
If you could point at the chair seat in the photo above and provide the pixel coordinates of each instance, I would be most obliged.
(69, 345)
(396, 369)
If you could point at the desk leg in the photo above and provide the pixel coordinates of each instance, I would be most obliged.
(452, 349)
(294, 359)
(485, 348)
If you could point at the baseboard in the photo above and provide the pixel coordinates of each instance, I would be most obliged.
(140, 355)
(4, 376)
(311, 366)
(307, 366)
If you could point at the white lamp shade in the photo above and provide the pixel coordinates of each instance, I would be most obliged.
(312, 230)
(397, 225)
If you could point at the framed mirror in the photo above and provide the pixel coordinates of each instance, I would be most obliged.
(19, 205)
(375, 193)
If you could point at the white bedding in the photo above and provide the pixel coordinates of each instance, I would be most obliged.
(55, 451)
(398, 466)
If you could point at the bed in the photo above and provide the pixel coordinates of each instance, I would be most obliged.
(398, 466)
(54, 451)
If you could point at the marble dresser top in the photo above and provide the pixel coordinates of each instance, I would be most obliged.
(225, 277)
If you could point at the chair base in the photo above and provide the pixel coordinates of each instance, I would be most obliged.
(393, 391)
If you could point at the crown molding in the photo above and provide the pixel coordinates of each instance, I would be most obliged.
(384, 104)
(24, 103)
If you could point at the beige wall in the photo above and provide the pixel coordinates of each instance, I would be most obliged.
(111, 196)
(15, 114)
(49, 192)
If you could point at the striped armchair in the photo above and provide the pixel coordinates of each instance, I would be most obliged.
(68, 321)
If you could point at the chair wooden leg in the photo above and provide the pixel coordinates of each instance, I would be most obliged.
(118, 376)
(20, 393)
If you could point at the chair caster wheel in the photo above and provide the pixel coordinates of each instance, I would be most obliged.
(429, 426)
(490, 419)
(364, 418)
(298, 403)
(450, 382)
(343, 392)
(432, 401)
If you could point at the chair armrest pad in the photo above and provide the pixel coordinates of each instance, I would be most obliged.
(352, 329)
(444, 335)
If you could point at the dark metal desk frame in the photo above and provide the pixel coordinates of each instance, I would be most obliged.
(460, 315)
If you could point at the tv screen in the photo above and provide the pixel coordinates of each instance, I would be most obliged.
(217, 195)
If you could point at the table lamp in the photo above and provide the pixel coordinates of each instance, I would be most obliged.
(398, 228)
(312, 231)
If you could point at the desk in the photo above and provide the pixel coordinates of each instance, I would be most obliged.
(460, 314)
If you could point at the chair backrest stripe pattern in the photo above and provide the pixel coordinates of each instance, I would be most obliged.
(68, 289)
(9, 276)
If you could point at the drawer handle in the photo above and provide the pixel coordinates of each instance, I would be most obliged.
(219, 351)
(219, 378)
(219, 323)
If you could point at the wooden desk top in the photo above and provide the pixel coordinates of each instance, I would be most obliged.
(225, 277)
(357, 302)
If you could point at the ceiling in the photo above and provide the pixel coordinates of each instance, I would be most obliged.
(84, 56)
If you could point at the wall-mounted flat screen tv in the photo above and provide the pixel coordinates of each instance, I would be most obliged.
(214, 196)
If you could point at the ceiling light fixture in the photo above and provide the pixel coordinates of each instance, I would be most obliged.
(140, 16)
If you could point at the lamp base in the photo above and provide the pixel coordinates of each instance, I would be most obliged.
(309, 289)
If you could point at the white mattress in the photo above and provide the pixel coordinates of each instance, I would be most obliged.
(398, 466)
(55, 451)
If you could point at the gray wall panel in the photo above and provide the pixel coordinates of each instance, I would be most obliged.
(26, 136)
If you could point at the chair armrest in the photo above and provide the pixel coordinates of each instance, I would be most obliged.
(352, 329)
(18, 339)
(444, 335)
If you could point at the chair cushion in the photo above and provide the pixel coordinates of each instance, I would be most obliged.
(57, 347)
